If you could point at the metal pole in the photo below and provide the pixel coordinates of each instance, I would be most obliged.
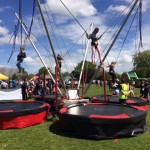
(36, 49)
(84, 59)
(49, 39)
(123, 24)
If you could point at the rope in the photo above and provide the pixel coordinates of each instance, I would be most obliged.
(73, 16)
(117, 28)
(117, 18)
(67, 51)
(33, 12)
(20, 16)
(54, 32)
(140, 23)
(14, 40)
(127, 35)
(73, 44)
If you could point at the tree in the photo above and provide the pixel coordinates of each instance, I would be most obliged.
(124, 75)
(42, 71)
(65, 74)
(141, 63)
(89, 70)
(14, 77)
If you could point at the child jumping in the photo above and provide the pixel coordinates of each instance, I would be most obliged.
(94, 44)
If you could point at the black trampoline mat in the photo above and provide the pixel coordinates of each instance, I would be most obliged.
(115, 99)
(106, 110)
(19, 106)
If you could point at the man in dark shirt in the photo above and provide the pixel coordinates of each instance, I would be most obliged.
(24, 89)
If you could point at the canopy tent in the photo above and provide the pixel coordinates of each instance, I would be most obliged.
(3, 77)
(132, 75)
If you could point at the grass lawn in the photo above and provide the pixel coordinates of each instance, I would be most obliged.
(48, 136)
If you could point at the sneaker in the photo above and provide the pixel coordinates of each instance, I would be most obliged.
(19, 70)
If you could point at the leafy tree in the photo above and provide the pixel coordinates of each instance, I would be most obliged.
(14, 77)
(42, 70)
(30, 76)
(141, 63)
(89, 70)
(124, 75)
(65, 74)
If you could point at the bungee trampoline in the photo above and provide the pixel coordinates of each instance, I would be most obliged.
(131, 101)
(102, 120)
(21, 114)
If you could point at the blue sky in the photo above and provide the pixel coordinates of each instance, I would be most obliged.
(66, 33)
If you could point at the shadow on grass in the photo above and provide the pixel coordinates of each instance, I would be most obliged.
(56, 128)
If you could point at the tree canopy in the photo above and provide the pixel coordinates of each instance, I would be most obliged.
(141, 63)
(89, 70)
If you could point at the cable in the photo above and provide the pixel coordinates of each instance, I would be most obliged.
(73, 16)
(127, 34)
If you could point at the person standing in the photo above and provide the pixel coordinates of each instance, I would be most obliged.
(142, 89)
(146, 91)
(123, 91)
(94, 44)
(131, 88)
(24, 89)
(49, 86)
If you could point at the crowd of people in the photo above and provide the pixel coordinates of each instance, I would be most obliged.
(8, 84)
(36, 87)
(116, 87)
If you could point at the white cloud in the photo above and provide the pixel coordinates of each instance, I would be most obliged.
(3, 31)
(70, 30)
(145, 4)
(117, 8)
(78, 8)
(4, 35)
(5, 8)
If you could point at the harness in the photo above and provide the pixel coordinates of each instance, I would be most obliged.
(20, 56)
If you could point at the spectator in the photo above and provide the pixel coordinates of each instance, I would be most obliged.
(131, 90)
(142, 89)
(123, 91)
(24, 89)
(4, 85)
(116, 91)
(146, 88)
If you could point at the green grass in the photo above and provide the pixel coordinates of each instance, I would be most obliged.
(49, 136)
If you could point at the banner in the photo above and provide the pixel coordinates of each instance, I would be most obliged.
(10, 94)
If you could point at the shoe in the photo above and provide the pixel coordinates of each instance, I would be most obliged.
(19, 70)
